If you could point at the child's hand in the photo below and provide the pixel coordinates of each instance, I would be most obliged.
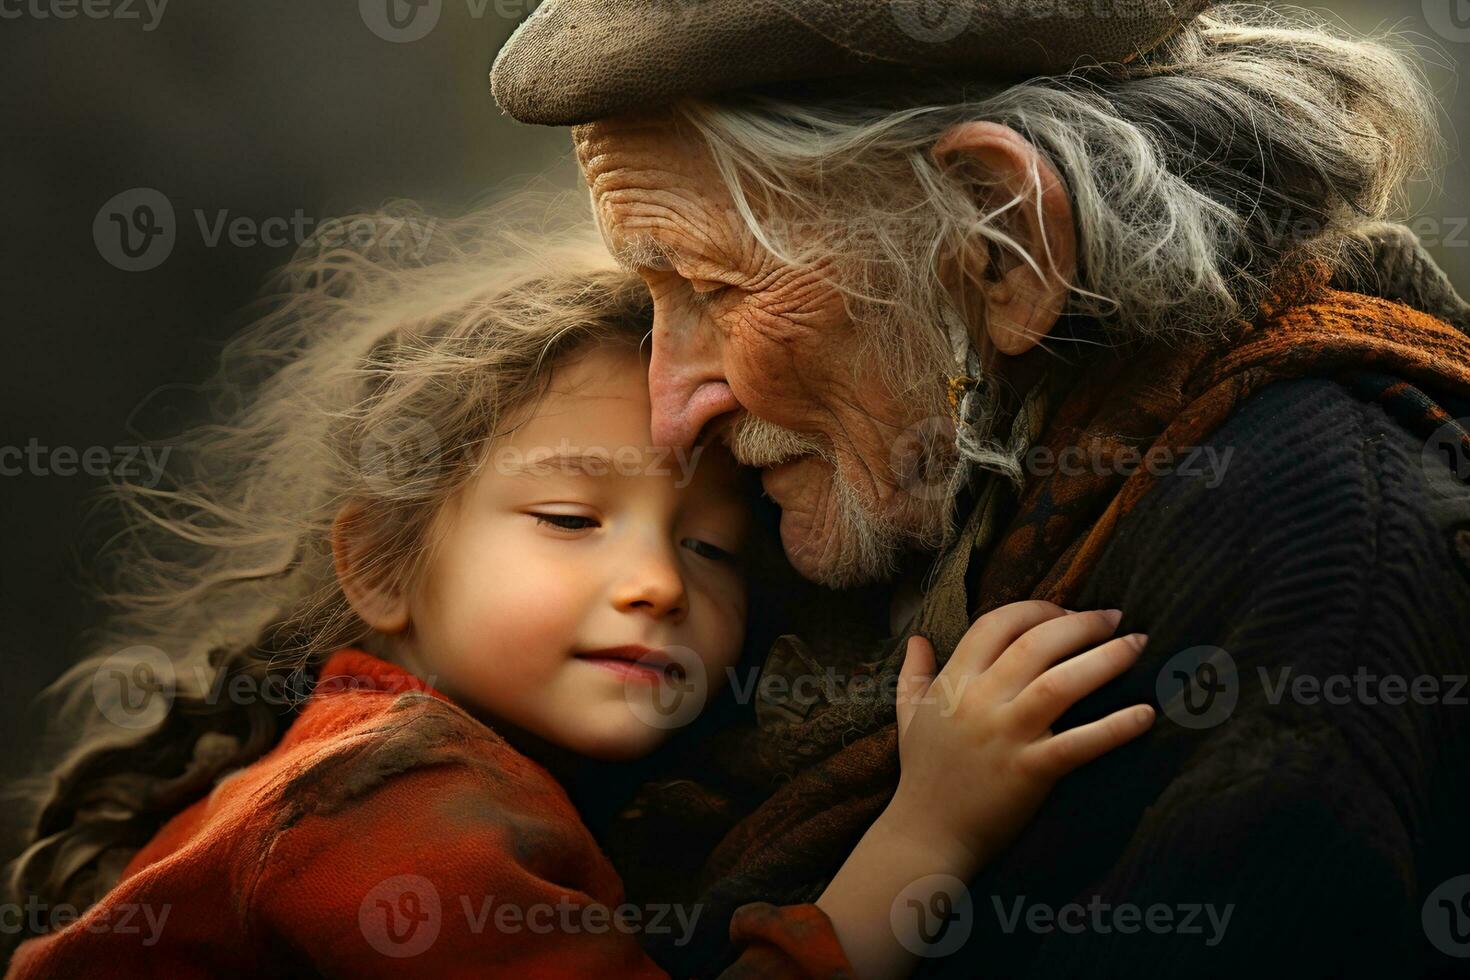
(976, 751)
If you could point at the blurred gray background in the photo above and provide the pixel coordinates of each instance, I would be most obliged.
(266, 110)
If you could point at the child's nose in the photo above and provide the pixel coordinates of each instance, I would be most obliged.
(654, 585)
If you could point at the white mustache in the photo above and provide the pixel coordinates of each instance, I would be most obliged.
(755, 442)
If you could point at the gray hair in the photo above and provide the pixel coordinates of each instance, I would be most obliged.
(1250, 138)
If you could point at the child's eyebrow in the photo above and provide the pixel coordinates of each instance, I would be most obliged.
(590, 463)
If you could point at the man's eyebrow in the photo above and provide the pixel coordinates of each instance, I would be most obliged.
(643, 252)
(570, 464)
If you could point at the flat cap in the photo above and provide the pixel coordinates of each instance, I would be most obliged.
(573, 61)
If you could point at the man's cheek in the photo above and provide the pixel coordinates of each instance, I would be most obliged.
(766, 375)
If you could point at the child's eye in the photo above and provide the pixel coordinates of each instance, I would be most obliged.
(566, 522)
(707, 550)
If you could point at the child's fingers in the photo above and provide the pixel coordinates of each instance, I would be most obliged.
(1057, 755)
(1046, 698)
(991, 634)
(914, 679)
(1042, 646)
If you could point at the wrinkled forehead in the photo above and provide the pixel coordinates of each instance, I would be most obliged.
(648, 166)
(610, 144)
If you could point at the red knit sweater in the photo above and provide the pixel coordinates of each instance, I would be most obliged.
(390, 834)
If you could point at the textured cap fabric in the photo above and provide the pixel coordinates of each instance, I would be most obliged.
(573, 61)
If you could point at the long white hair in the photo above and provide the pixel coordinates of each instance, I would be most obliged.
(1251, 136)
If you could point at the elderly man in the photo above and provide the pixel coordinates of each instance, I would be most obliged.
(1084, 303)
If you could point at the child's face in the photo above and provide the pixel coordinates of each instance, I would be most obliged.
(579, 535)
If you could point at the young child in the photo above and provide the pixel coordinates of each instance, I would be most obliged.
(440, 511)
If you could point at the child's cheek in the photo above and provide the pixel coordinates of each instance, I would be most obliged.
(517, 612)
(723, 632)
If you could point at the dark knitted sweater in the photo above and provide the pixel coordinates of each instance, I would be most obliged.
(1333, 546)
(1313, 830)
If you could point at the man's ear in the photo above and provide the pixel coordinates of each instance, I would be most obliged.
(376, 602)
(1021, 307)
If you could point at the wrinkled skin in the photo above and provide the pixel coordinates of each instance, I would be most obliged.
(736, 331)
(746, 345)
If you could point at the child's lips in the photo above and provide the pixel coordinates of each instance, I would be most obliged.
(626, 669)
(632, 662)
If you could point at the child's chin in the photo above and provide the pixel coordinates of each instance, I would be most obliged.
(624, 742)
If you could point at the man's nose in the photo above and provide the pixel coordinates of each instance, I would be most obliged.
(654, 585)
(686, 380)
